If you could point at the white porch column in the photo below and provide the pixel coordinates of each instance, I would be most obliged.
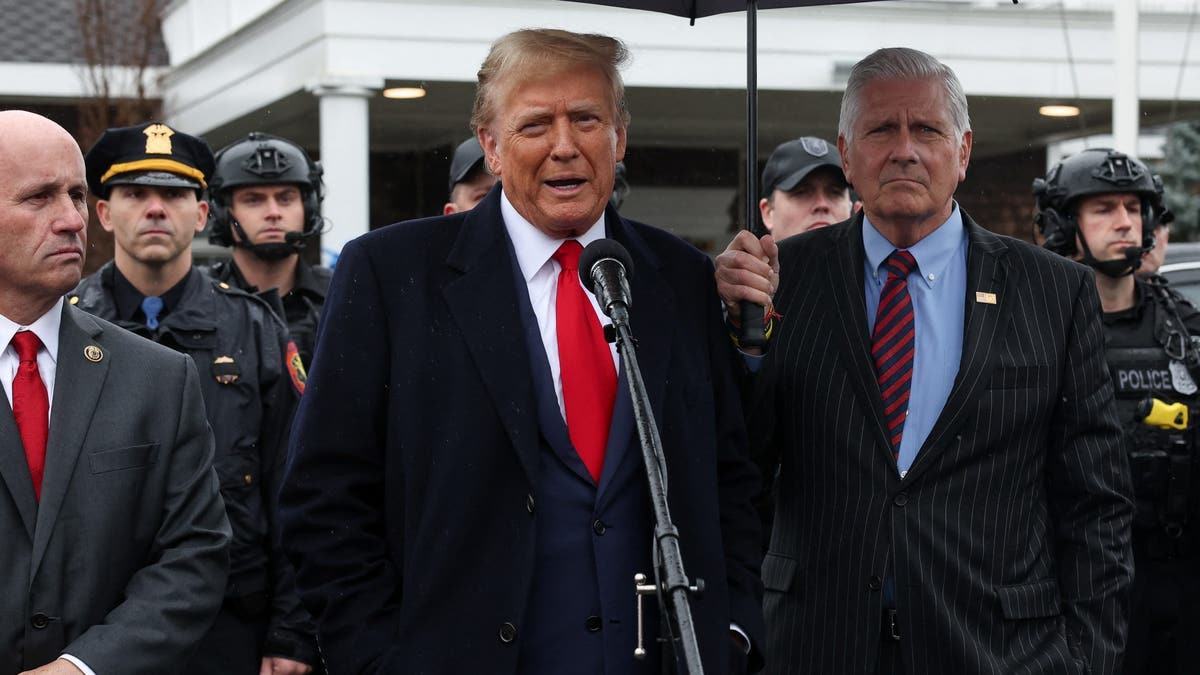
(1125, 97)
(345, 156)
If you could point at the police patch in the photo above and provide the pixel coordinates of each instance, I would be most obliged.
(1141, 380)
(814, 146)
(296, 367)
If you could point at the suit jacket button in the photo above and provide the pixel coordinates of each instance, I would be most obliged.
(508, 632)
(593, 624)
(529, 503)
(39, 620)
(599, 527)
(874, 583)
(900, 500)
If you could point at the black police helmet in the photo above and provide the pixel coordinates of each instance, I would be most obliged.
(1091, 172)
(263, 159)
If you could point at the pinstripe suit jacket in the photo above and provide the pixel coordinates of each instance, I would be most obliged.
(1009, 537)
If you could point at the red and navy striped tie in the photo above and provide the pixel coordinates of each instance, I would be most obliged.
(892, 344)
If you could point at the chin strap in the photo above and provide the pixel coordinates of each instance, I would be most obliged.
(293, 243)
(1127, 264)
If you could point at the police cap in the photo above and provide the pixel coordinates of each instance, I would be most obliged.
(148, 154)
(792, 161)
(467, 156)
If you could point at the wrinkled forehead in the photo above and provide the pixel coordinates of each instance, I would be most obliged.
(543, 70)
(36, 161)
(889, 100)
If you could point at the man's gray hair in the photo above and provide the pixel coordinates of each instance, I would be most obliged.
(902, 63)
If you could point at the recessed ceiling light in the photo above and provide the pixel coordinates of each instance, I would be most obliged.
(1059, 111)
(404, 92)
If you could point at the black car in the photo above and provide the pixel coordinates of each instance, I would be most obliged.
(1182, 269)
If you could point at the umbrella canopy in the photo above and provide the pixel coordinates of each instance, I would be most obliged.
(694, 9)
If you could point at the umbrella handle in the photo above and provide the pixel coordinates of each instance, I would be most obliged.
(753, 332)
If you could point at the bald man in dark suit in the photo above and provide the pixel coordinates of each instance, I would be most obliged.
(115, 536)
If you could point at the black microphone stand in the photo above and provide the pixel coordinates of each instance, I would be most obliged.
(672, 587)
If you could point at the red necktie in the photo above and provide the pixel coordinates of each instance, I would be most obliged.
(31, 406)
(892, 344)
(589, 379)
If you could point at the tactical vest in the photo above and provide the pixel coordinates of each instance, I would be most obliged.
(1162, 461)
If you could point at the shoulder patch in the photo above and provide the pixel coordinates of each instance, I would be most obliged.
(295, 367)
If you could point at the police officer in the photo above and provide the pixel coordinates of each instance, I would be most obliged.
(1101, 207)
(266, 204)
(803, 188)
(470, 180)
(150, 180)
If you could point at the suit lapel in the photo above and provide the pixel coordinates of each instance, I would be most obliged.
(483, 301)
(549, 415)
(14, 469)
(652, 318)
(849, 307)
(77, 386)
(986, 326)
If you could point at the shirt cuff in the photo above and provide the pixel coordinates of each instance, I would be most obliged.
(753, 363)
(84, 667)
(733, 627)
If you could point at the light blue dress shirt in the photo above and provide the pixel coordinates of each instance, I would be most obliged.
(938, 298)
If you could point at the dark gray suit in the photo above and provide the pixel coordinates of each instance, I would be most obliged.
(123, 562)
(1009, 537)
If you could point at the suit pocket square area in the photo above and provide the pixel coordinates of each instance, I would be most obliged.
(1034, 600)
(1019, 377)
(778, 572)
(131, 457)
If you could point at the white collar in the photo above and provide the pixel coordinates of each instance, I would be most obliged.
(534, 247)
(46, 328)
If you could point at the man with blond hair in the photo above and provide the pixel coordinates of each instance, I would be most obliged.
(481, 504)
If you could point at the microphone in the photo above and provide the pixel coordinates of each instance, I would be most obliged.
(605, 269)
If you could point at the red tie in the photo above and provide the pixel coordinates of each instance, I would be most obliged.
(31, 406)
(892, 344)
(589, 380)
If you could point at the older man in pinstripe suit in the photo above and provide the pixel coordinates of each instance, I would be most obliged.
(951, 495)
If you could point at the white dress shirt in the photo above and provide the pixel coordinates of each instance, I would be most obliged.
(535, 255)
(46, 328)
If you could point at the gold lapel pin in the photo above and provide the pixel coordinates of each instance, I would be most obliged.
(985, 298)
(93, 353)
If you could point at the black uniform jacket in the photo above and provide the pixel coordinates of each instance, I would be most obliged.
(239, 348)
(301, 308)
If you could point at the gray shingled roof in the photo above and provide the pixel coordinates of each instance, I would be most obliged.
(47, 31)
